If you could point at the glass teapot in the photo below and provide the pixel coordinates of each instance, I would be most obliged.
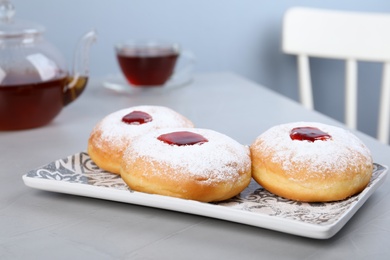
(34, 81)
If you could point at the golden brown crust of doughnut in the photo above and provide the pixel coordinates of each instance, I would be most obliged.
(106, 156)
(301, 182)
(153, 173)
(336, 186)
(139, 177)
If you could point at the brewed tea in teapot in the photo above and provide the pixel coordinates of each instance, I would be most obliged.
(34, 81)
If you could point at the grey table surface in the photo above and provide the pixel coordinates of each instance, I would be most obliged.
(37, 224)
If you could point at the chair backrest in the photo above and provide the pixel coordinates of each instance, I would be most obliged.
(350, 36)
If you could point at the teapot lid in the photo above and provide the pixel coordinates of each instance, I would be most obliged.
(10, 28)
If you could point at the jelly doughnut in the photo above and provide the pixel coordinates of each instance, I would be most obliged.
(115, 132)
(196, 164)
(312, 162)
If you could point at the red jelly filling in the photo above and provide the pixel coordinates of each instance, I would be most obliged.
(182, 138)
(310, 134)
(137, 118)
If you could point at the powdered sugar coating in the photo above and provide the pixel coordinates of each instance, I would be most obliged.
(220, 159)
(117, 133)
(317, 158)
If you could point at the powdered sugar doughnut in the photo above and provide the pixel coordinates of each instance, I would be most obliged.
(115, 132)
(311, 162)
(196, 164)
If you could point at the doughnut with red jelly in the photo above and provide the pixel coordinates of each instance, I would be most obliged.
(196, 164)
(115, 132)
(311, 162)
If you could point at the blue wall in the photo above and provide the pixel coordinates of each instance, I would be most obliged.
(241, 36)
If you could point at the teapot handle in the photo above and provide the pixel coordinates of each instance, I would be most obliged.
(81, 55)
(78, 80)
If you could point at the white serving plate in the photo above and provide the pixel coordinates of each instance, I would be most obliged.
(79, 175)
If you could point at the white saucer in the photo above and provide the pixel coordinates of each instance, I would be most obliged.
(118, 83)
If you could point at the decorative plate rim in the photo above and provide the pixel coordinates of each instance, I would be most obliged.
(77, 174)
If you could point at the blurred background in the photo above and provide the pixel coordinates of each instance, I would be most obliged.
(240, 36)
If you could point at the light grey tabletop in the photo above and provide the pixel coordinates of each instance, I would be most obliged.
(37, 224)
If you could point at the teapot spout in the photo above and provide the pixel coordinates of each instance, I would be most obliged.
(78, 79)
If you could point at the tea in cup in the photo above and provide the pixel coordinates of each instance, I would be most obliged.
(147, 63)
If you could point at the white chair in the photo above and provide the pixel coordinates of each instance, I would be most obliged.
(350, 36)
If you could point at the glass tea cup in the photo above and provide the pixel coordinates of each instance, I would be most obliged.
(151, 63)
